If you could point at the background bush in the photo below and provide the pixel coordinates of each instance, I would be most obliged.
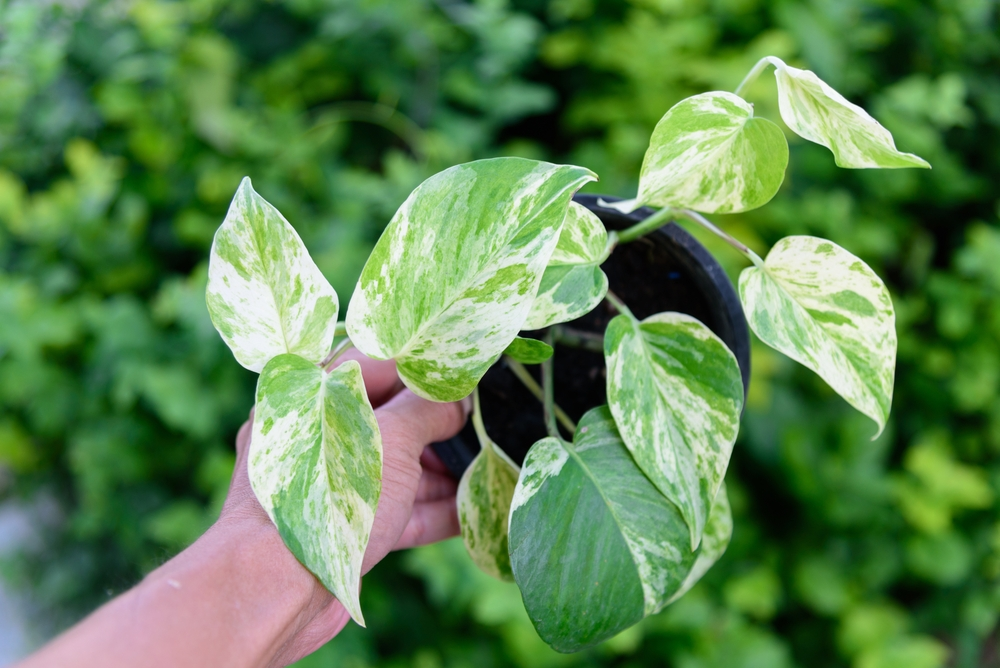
(125, 126)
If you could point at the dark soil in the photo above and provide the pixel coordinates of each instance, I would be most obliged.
(648, 277)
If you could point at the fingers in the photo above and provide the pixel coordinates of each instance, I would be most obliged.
(429, 461)
(410, 422)
(381, 379)
(435, 486)
(430, 522)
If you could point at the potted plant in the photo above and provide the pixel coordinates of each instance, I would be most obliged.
(610, 517)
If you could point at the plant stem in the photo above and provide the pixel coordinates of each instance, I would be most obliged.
(529, 382)
(752, 75)
(477, 421)
(618, 304)
(341, 348)
(644, 227)
(549, 392)
(696, 217)
(341, 329)
(576, 338)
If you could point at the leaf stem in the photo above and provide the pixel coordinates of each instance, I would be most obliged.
(339, 350)
(644, 227)
(752, 76)
(618, 304)
(696, 217)
(477, 421)
(529, 382)
(577, 338)
(549, 391)
(341, 329)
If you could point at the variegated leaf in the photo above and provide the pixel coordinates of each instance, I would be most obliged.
(528, 351)
(573, 283)
(711, 154)
(676, 393)
(316, 467)
(452, 278)
(827, 310)
(718, 531)
(594, 546)
(816, 112)
(484, 495)
(265, 294)
(583, 239)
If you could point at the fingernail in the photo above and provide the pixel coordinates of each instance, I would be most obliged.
(467, 405)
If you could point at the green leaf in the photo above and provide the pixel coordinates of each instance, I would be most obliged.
(718, 531)
(573, 283)
(484, 495)
(265, 294)
(676, 393)
(528, 351)
(709, 153)
(827, 310)
(594, 546)
(816, 112)
(316, 467)
(453, 276)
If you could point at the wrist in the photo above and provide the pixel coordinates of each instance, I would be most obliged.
(253, 586)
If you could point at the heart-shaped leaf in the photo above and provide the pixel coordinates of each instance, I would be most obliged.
(316, 467)
(718, 531)
(528, 351)
(594, 546)
(265, 294)
(815, 111)
(676, 393)
(454, 275)
(827, 310)
(711, 154)
(484, 495)
(573, 283)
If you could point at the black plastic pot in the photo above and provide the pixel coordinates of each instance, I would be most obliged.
(667, 270)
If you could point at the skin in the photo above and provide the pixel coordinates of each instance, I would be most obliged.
(237, 596)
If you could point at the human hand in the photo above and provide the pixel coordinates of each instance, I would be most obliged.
(416, 506)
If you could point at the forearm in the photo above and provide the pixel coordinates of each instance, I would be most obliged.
(236, 597)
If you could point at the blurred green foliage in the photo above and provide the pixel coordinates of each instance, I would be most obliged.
(125, 127)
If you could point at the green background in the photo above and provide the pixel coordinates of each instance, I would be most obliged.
(125, 128)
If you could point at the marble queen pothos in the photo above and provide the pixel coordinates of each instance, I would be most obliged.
(606, 521)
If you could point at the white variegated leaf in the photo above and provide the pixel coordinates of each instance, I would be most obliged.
(676, 393)
(265, 294)
(316, 467)
(573, 283)
(452, 278)
(815, 111)
(718, 531)
(594, 546)
(711, 154)
(583, 239)
(484, 495)
(827, 310)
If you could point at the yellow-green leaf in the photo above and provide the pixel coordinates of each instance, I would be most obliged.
(711, 154)
(815, 111)
(450, 282)
(316, 467)
(265, 294)
(827, 310)
(676, 393)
